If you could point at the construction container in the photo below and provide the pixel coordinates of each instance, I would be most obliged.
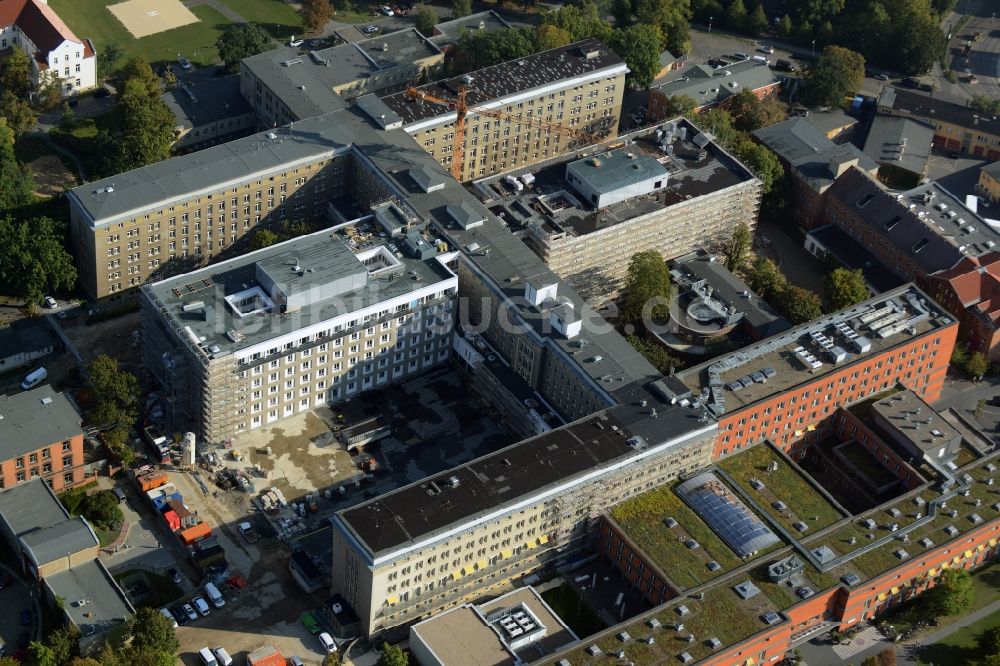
(195, 533)
(150, 480)
(172, 519)
(267, 655)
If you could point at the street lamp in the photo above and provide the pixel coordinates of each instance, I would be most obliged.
(814, 47)
(710, 23)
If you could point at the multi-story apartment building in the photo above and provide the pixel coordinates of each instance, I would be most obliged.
(957, 128)
(304, 323)
(787, 388)
(41, 437)
(56, 53)
(578, 87)
(294, 83)
(672, 191)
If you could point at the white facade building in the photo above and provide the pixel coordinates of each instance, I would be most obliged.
(54, 50)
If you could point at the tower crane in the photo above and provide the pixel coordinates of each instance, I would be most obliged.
(462, 110)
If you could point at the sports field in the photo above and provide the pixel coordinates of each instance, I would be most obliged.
(195, 41)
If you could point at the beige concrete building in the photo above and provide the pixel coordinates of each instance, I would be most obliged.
(294, 83)
(579, 87)
(467, 532)
(989, 182)
(587, 217)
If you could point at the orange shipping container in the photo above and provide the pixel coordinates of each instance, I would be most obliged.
(265, 656)
(195, 533)
(151, 481)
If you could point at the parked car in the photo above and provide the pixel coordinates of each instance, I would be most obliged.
(326, 640)
(309, 622)
(190, 612)
(184, 63)
(201, 605)
(766, 49)
(222, 656)
(370, 29)
(180, 615)
(50, 303)
(786, 65)
(883, 77)
(175, 576)
(910, 82)
(387, 10)
(167, 614)
(295, 42)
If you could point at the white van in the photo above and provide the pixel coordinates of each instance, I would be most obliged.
(222, 656)
(34, 378)
(214, 595)
(207, 658)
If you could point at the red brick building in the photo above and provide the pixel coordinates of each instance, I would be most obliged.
(40, 437)
(798, 404)
(971, 291)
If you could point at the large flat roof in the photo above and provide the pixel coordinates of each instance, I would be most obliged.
(689, 175)
(509, 78)
(464, 636)
(106, 605)
(798, 355)
(430, 509)
(305, 80)
(206, 101)
(31, 506)
(36, 418)
(55, 541)
(907, 412)
(448, 32)
(196, 301)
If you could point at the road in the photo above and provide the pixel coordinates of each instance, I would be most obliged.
(984, 58)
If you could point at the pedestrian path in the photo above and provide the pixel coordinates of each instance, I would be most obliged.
(859, 643)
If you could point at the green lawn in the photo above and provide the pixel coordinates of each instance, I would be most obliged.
(572, 610)
(276, 16)
(962, 646)
(784, 485)
(91, 19)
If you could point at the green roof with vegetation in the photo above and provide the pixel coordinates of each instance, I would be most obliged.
(786, 484)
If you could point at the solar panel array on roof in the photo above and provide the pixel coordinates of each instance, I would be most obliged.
(716, 504)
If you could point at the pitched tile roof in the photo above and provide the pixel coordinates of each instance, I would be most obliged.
(40, 24)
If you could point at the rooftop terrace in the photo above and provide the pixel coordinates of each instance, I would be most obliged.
(693, 170)
(807, 352)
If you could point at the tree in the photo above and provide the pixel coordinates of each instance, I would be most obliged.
(142, 129)
(737, 247)
(264, 238)
(242, 40)
(137, 69)
(109, 54)
(392, 655)
(33, 258)
(659, 357)
(18, 112)
(647, 286)
(117, 403)
(785, 27)
(622, 11)
(985, 104)
(67, 117)
(773, 110)
(672, 17)
(57, 649)
(39, 654)
(17, 185)
(551, 37)
(989, 641)
(639, 46)
(765, 278)
(315, 14)
(844, 288)
(839, 72)
(152, 632)
(678, 105)
(757, 22)
(736, 16)
(746, 110)
(426, 20)
(886, 657)
(799, 304)
(102, 509)
(977, 365)
(332, 659)
(16, 77)
(49, 95)
(953, 593)
(460, 8)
